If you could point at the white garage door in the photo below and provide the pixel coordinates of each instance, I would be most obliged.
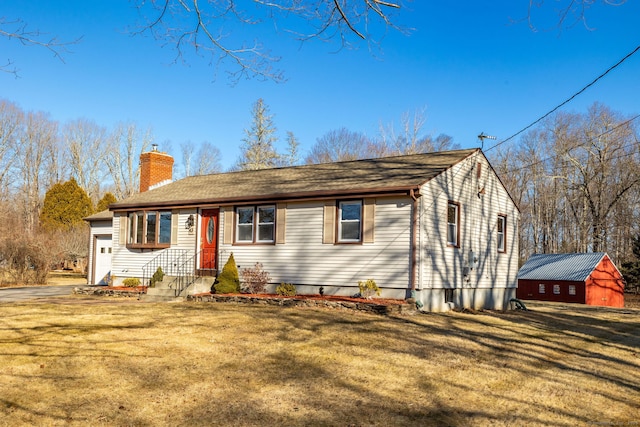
(103, 259)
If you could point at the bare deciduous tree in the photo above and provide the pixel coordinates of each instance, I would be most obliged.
(38, 138)
(576, 179)
(17, 30)
(11, 121)
(88, 149)
(340, 145)
(204, 161)
(126, 143)
(568, 13)
(203, 26)
(411, 138)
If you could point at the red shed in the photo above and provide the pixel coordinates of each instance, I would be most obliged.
(585, 278)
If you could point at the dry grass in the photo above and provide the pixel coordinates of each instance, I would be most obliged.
(130, 363)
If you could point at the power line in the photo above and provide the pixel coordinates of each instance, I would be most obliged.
(537, 162)
(569, 99)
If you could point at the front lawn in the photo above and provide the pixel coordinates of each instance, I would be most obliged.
(92, 361)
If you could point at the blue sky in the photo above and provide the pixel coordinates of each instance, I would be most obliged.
(468, 64)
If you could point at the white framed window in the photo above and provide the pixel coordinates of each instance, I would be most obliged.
(255, 224)
(502, 233)
(453, 224)
(572, 289)
(244, 224)
(350, 221)
(541, 288)
(266, 223)
(556, 289)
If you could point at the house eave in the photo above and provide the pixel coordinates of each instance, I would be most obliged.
(271, 198)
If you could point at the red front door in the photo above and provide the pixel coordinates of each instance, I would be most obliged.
(209, 239)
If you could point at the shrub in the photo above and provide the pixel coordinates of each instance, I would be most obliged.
(286, 289)
(368, 288)
(131, 282)
(255, 279)
(228, 282)
(158, 276)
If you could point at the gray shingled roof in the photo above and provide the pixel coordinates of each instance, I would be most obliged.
(571, 267)
(100, 216)
(383, 174)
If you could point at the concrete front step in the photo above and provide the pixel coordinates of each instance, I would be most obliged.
(161, 292)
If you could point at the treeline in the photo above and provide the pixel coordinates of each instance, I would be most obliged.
(575, 176)
(576, 179)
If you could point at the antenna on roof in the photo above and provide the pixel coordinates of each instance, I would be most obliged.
(484, 136)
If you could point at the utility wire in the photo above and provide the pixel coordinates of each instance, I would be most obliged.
(546, 159)
(568, 100)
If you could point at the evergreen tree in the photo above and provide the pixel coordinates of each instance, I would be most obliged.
(258, 151)
(228, 282)
(107, 199)
(631, 269)
(292, 158)
(65, 205)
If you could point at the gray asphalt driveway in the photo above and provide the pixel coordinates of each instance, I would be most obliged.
(34, 292)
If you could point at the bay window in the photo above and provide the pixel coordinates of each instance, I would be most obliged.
(149, 229)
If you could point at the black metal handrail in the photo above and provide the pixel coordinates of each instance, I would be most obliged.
(169, 260)
(182, 265)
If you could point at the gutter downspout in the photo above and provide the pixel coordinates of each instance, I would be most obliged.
(414, 246)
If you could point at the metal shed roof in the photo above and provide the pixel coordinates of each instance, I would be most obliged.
(570, 267)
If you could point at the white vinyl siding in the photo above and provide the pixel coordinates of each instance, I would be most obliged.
(129, 262)
(481, 200)
(305, 260)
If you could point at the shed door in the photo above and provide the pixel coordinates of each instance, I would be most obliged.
(103, 249)
(209, 239)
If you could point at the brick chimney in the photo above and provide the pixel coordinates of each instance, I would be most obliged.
(156, 169)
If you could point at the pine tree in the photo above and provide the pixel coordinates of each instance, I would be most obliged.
(65, 205)
(292, 157)
(107, 199)
(228, 281)
(631, 269)
(258, 151)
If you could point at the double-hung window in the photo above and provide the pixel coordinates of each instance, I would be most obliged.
(502, 233)
(244, 230)
(350, 221)
(149, 229)
(453, 224)
(255, 224)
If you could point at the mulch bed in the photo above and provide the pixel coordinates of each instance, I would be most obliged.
(316, 297)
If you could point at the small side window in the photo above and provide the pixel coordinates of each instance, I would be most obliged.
(453, 224)
(502, 233)
(541, 288)
(350, 221)
(572, 289)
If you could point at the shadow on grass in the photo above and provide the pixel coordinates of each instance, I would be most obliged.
(261, 365)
